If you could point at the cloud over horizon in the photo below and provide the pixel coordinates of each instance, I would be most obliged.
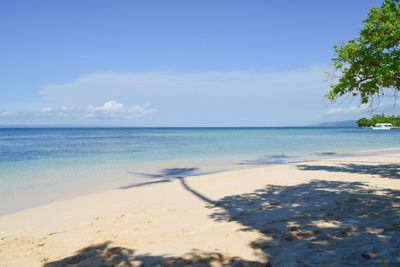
(203, 98)
(109, 109)
(236, 97)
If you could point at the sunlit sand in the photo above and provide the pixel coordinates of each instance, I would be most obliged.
(320, 212)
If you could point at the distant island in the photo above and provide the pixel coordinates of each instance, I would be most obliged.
(364, 122)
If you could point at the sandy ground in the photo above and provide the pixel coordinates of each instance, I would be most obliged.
(338, 212)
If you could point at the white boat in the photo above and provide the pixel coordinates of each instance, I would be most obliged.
(382, 126)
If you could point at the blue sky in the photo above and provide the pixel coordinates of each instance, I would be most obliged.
(174, 63)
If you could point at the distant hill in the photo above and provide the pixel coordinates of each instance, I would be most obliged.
(351, 123)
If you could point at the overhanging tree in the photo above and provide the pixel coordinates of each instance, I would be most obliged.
(371, 62)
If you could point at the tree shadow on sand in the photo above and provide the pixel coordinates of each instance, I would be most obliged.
(106, 255)
(383, 170)
(164, 176)
(169, 174)
(326, 222)
(319, 223)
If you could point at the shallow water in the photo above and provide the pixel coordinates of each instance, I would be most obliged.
(38, 165)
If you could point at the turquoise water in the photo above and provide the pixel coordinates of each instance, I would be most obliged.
(54, 162)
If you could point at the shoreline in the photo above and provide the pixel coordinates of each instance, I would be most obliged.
(253, 214)
(225, 165)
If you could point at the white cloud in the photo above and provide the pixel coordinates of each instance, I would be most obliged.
(110, 106)
(100, 87)
(108, 109)
(353, 112)
(114, 109)
(349, 110)
(237, 97)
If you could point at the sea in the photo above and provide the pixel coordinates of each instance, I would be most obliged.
(41, 165)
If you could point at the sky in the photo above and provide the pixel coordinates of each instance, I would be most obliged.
(175, 63)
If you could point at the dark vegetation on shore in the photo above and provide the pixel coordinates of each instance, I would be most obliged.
(364, 122)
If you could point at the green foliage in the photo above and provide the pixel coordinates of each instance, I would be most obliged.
(371, 62)
(364, 122)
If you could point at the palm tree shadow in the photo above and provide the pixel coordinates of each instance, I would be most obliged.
(105, 255)
(165, 176)
(169, 174)
(324, 222)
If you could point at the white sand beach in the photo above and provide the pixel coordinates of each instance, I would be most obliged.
(337, 212)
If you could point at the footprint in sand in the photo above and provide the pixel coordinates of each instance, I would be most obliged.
(55, 233)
